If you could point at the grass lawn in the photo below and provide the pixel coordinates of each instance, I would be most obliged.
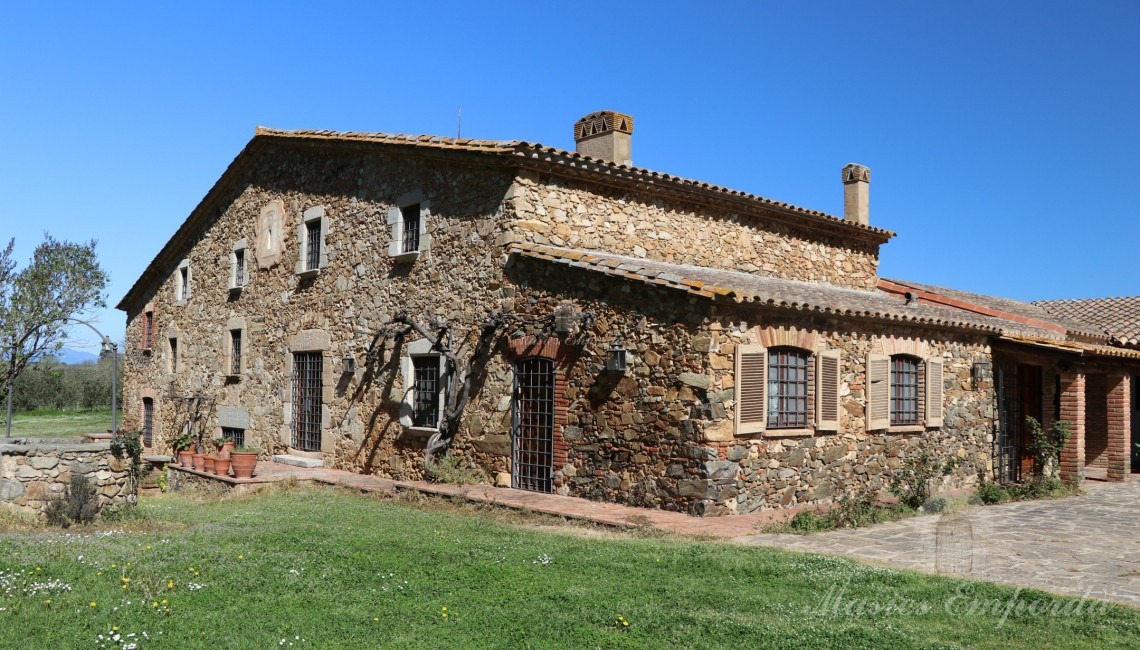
(324, 568)
(49, 423)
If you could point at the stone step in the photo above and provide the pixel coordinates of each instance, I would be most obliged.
(298, 461)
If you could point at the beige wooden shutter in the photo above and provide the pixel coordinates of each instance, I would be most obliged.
(878, 392)
(827, 390)
(424, 237)
(751, 388)
(934, 392)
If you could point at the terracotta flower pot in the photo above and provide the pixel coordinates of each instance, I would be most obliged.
(185, 458)
(222, 466)
(199, 461)
(243, 463)
(225, 450)
(209, 464)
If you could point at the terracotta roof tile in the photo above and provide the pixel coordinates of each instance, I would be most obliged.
(779, 293)
(1119, 318)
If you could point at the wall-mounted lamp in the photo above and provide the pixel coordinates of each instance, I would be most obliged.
(616, 360)
(348, 365)
(983, 371)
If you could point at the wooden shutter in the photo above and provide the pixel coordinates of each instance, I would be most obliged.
(751, 388)
(934, 392)
(827, 390)
(394, 222)
(878, 392)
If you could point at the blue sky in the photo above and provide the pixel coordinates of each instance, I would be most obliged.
(1002, 136)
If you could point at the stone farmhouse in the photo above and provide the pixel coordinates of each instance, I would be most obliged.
(660, 342)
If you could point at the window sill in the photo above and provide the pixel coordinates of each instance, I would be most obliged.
(237, 289)
(909, 428)
(311, 273)
(406, 257)
(420, 432)
(147, 351)
(789, 433)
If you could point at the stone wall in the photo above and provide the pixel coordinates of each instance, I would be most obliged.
(662, 435)
(34, 472)
(570, 214)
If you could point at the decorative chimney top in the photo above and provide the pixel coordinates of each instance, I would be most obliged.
(856, 172)
(605, 135)
(856, 191)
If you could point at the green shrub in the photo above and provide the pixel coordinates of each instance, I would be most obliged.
(991, 493)
(450, 470)
(935, 505)
(911, 482)
(807, 521)
(77, 505)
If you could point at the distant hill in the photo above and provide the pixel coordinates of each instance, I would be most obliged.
(73, 357)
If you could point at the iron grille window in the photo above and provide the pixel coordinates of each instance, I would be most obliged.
(239, 267)
(148, 330)
(532, 444)
(307, 401)
(148, 421)
(411, 227)
(313, 240)
(235, 352)
(425, 405)
(173, 355)
(787, 389)
(904, 391)
(184, 283)
(238, 435)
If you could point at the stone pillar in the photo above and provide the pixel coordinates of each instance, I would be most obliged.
(1119, 426)
(1073, 412)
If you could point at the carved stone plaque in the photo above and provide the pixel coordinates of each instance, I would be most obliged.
(270, 234)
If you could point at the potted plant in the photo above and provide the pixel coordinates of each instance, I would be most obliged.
(225, 445)
(243, 460)
(208, 463)
(222, 466)
(199, 461)
(182, 452)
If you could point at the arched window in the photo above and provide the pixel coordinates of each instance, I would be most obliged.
(905, 390)
(787, 388)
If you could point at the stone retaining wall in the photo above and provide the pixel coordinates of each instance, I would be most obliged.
(34, 472)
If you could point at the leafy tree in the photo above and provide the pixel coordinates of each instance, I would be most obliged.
(62, 280)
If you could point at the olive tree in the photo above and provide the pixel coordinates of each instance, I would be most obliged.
(62, 280)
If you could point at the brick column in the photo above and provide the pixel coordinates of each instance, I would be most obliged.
(1073, 412)
(1119, 426)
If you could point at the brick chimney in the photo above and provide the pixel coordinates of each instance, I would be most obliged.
(856, 188)
(606, 135)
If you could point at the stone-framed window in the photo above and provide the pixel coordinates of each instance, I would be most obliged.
(239, 266)
(312, 234)
(233, 421)
(786, 390)
(174, 354)
(182, 281)
(904, 392)
(425, 380)
(407, 224)
(235, 352)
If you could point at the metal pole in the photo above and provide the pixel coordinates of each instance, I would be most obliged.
(114, 388)
(8, 427)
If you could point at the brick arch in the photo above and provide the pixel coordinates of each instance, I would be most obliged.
(891, 345)
(791, 337)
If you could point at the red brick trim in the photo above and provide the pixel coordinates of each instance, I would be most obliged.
(946, 301)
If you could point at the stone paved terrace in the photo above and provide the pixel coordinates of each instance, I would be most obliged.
(1079, 546)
